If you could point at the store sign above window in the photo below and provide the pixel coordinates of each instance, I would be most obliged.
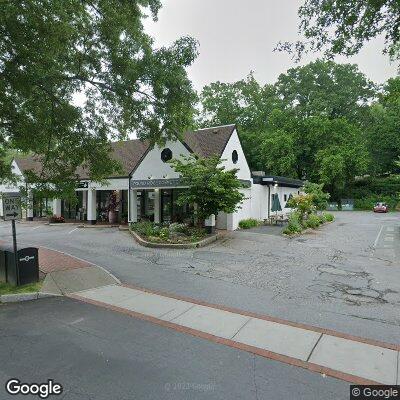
(166, 183)
(83, 185)
(154, 183)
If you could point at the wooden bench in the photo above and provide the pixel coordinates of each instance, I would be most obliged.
(276, 219)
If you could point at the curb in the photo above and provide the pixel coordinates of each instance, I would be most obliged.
(98, 226)
(18, 297)
(63, 224)
(194, 245)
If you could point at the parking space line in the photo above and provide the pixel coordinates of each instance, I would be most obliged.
(73, 230)
(377, 238)
(36, 227)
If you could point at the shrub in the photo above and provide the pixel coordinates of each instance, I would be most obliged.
(163, 233)
(294, 225)
(145, 228)
(248, 223)
(321, 218)
(312, 221)
(57, 220)
(178, 228)
(367, 203)
(329, 217)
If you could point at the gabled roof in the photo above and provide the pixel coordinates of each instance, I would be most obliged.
(203, 142)
(210, 141)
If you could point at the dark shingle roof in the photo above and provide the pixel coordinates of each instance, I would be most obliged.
(210, 141)
(129, 153)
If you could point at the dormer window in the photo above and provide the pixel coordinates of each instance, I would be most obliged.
(235, 156)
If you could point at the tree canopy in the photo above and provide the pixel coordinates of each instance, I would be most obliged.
(75, 73)
(344, 26)
(309, 125)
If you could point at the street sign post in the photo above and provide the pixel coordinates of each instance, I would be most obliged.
(11, 212)
(11, 206)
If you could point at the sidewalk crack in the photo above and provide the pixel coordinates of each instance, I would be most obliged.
(315, 345)
(241, 328)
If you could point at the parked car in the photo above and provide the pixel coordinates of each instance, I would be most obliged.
(381, 207)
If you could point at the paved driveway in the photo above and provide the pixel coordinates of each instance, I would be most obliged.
(344, 276)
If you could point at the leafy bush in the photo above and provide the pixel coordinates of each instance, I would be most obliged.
(176, 227)
(319, 197)
(294, 224)
(248, 223)
(57, 220)
(145, 228)
(312, 221)
(321, 218)
(368, 191)
(329, 217)
(368, 203)
(163, 233)
(303, 203)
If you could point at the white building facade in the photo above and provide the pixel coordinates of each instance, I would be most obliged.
(149, 187)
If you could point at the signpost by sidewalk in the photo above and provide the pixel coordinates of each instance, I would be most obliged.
(12, 212)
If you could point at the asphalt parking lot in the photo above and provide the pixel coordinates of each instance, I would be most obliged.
(344, 276)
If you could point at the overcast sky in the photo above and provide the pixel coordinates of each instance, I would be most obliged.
(238, 36)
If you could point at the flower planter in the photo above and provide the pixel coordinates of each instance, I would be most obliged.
(112, 217)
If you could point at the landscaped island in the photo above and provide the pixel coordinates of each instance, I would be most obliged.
(175, 233)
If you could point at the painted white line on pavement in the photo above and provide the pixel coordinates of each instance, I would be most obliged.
(377, 238)
(73, 230)
(36, 227)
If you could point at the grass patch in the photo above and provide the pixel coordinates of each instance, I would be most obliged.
(6, 288)
(248, 223)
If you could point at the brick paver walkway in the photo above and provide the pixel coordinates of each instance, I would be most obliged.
(51, 261)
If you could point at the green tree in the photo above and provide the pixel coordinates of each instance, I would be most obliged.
(344, 26)
(383, 127)
(75, 73)
(210, 186)
(277, 154)
(319, 197)
(245, 103)
(326, 88)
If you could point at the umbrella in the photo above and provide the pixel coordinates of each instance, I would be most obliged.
(276, 205)
(290, 197)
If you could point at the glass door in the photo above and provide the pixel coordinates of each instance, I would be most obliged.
(166, 206)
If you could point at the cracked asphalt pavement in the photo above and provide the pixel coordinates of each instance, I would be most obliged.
(344, 276)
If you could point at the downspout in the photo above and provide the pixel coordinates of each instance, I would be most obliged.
(129, 198)
(269, 200)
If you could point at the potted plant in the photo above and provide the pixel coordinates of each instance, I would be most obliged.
(112, 207)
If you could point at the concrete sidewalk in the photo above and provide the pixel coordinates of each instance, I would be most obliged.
(66, 274)
(342, 356)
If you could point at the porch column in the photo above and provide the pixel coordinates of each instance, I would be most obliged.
(157, 204)
(57, 207)
(91, 207)
(133, 217)
(29, 206)
(84, 204)
(210, 224)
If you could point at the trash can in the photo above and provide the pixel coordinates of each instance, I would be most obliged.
(27, 270)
